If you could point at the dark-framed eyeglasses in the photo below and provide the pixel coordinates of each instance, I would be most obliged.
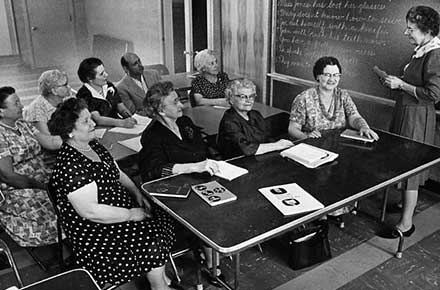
(329, 75)
(246, 97)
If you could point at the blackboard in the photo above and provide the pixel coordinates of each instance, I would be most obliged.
(360, 33)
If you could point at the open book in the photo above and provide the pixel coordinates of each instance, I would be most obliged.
(353, 134)
(291, 199)
(308, 155)
(132, 143)
(213, 193)
(229, 171)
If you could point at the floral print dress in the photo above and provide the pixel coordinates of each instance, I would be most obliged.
(26, 214)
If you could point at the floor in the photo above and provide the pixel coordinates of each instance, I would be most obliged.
(360, 260)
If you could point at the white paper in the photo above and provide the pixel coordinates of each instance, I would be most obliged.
(308, 155)
(353, 134)
(132, 143)
(99, 133)
(229, 171)
(291, 199)
(136, 130)
(142, 120)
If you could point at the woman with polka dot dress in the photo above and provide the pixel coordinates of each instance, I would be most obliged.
(116, 234)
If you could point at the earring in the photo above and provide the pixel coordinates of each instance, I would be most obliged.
(70, 135)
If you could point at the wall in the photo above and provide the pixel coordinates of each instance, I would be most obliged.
(138, 21)
(245, 37)
(23, 34)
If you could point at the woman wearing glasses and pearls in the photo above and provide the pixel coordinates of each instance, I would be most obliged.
(325, 106)
(242, 130)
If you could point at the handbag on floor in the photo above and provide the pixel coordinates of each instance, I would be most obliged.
(308, 245)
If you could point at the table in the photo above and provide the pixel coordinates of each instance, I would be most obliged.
(206, 117)
(357, 173)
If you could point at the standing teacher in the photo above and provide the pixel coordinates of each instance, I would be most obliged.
(419, 90)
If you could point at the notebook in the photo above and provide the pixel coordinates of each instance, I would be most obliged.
(165, 189)
(213, 193)
(353, 134)
(308, 155)
(229, 171)
(291, 199)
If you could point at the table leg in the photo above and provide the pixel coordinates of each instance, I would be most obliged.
(384, 203)
(237, 271)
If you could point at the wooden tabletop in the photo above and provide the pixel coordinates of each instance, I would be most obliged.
(358, 172)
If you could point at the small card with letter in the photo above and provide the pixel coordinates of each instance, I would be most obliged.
(353, 134)
(165, 189)
(213, 193)
(291, 199)
(308, 155)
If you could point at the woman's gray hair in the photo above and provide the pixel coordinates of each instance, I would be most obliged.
(238, 84)
(201, 59)
(51, 79)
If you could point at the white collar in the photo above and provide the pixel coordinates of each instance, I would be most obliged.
(422, 50)
(96, 94)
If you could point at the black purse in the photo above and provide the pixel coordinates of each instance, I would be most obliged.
(305, 250)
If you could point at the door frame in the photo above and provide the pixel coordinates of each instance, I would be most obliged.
(213, 32)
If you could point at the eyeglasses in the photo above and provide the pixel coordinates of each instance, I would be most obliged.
(63, 85)
(246, 97)
(329, 75)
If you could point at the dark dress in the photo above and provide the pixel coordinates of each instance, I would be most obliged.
(414, 117)
(237, 136)
(200, 85)
(107, 107)
(113, 253)
(161, 148)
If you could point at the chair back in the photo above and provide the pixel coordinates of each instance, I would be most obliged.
(77, 279)
(160, 68)
(5, 249)
(277, 125)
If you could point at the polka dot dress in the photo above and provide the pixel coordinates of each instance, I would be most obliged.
(200, 85)
(113, 253)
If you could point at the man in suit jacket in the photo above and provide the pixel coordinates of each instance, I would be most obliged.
(134, 85)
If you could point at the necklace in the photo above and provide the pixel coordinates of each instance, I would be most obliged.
(81, 149)
(325, 112)
(15, 128)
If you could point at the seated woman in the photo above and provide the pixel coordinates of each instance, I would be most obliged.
(101, 96)
(27, 214)
(172, 144)
(208, 88)
(54, 88)
(242, 130)
(114, 231)
(325, 106)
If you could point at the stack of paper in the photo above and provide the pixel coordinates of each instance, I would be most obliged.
(291, 199)
(353, 134)
(229, 171)
(308, 155)
(142, 123)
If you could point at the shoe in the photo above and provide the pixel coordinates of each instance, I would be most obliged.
(175, 285)
(394, 208)
(213, 280)
(393, 233)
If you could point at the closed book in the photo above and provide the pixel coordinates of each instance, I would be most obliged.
(353, 134)
(213, 193)
(308, 155)
(291, 199)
